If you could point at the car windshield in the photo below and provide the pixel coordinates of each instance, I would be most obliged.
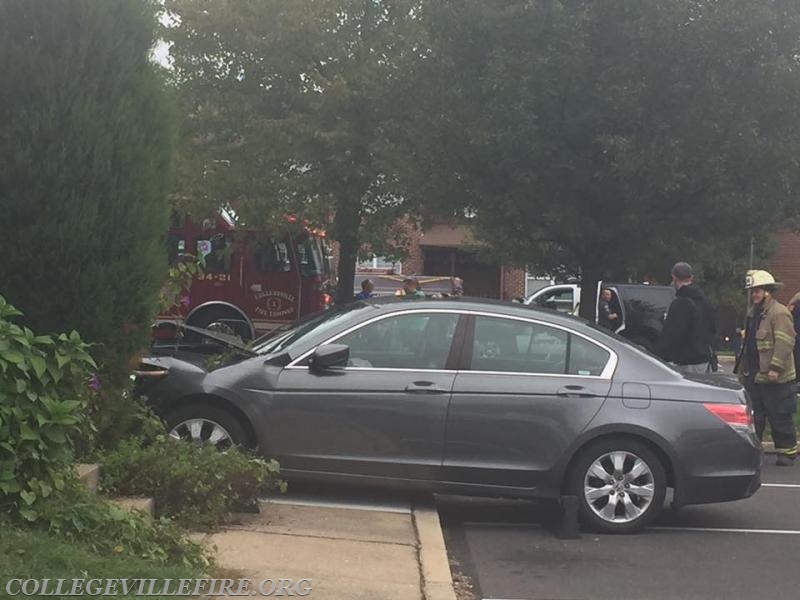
(280, 340)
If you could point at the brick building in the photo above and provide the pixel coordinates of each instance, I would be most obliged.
(785, 264)
(452, 251)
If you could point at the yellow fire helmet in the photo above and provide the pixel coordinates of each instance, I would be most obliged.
(758, 278)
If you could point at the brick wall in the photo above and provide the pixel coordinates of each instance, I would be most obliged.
(513, 279)
(785, 265)
(513, 283)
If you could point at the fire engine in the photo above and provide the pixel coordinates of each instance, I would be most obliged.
(251, 282)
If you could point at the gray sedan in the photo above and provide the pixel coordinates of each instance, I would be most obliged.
(470, 397)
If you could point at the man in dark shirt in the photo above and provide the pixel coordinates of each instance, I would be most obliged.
(606, 315)
(689, 329)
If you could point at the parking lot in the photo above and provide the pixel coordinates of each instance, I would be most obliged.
(745, 549)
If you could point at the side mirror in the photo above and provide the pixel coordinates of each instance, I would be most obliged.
(329, 357)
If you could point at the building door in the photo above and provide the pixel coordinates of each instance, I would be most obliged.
(481, 280)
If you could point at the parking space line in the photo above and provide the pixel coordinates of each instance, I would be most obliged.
(405, 510)
(782, 485)
(730, 530)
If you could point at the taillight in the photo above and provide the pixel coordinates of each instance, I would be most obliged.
(738, 416)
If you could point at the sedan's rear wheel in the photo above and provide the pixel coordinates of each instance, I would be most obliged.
(620, 485)
(206, 424)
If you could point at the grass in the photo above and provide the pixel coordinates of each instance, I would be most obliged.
(27, 554)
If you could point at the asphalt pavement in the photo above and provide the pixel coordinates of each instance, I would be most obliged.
(744, 549)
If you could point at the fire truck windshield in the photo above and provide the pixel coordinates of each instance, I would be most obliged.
(311, 255)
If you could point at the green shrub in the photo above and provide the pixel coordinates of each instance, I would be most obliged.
(44, 395)
(78, 515)
(85, 148)
(195, 484)
(114, 414)
(44, 384)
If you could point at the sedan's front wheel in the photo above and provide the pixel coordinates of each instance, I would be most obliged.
(206, 424)
(620, 485)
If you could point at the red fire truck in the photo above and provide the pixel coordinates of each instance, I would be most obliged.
(251, 283)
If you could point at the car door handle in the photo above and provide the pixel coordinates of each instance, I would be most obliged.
(575, 391)
(424, 387)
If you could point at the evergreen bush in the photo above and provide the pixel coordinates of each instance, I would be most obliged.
(85, 148)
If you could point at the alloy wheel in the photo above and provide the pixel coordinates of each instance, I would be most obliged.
(619, 487)
(201, 430)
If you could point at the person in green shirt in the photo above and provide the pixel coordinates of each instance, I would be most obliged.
(411, 288)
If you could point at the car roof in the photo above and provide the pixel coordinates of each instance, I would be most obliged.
(500, 307)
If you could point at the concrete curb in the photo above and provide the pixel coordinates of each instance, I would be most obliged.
(143, 505)
(437, 581)
(89, 474)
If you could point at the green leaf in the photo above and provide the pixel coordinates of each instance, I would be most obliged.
(29, 514)
(28, 434)
(39, 365)
(61, 359)
(10, 487)
(13, 356)
(45, 489)
(56, 435)
(28, 497)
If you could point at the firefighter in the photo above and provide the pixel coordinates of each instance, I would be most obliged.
(766, 365)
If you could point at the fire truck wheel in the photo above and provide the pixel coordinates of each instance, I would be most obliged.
(221, 320)
(206, 423)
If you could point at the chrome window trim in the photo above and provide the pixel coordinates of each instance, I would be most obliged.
(387, 370)
(606, 374)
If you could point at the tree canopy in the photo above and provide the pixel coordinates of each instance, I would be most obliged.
(291, 108)
(612, 136)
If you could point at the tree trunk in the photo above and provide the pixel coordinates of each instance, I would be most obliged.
(347, 223)
(591, 275)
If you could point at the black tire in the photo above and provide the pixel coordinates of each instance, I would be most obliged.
(655, 477)
(209, 316)
(235, 431)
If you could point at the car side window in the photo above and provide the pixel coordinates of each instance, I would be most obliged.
(586, 358)
(412, 341)
(509, 345)
(560, 299)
